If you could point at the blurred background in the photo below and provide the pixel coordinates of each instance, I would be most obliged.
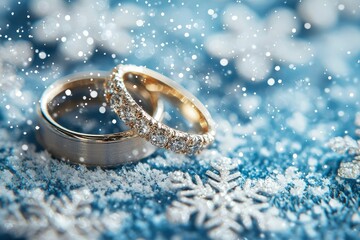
(280, 78)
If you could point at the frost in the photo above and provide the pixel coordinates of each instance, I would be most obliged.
(171, 160)
(226, 204)
(292, 181)
(280, 183)
(348, 145)
(349, 169)
(60, 201)
(221, 205)
(71, 217)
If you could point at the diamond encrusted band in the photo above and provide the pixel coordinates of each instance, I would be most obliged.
(156, 132)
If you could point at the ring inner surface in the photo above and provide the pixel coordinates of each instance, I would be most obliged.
(80, 106)
(182, 113)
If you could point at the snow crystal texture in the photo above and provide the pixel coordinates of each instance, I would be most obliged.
(280, 79)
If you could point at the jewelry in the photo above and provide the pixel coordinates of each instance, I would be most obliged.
(153, 130)
(90, 149)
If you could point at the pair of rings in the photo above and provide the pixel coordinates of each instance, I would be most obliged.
(136, 95)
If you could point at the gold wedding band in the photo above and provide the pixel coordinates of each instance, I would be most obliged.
(90, 149)
(150, 128)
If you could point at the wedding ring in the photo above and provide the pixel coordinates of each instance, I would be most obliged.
(90, 149)
(146, 126)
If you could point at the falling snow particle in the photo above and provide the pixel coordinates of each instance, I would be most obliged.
(139, 23)
(271, 81)
(93, 94)
(68, 92)
(42, 55)
(102, 109)
(224, 62)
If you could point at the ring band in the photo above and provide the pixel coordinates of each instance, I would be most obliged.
(90, 149)
(153, 130)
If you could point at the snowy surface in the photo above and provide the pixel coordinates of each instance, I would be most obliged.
(280, 78)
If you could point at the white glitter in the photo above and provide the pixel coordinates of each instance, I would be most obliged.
(42, 55)
(271, 81)
(224, 62)
(307, 25)
(139, 23)
(211, 11)
(341, 7)
(90, 41)
(68, 92)
(102, 109)
(93, 94)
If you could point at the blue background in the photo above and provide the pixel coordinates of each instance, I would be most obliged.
(264, 129)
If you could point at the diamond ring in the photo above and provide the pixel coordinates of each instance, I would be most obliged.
(75, 93)
(156, 132)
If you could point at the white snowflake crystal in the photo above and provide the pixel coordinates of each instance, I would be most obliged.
(324, 14)
(348, 145)
(256, 43)
(336, 49)
(221, 205)
(31, 214)
(41, 217)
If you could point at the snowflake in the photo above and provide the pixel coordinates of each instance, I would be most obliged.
(82, 26)
(221, 205)
(71, 217)
(330, 12)
(336, 49)
(36, 213)
(255, 43)
(348, 145)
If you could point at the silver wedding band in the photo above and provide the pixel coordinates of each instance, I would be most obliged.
(103, 150)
